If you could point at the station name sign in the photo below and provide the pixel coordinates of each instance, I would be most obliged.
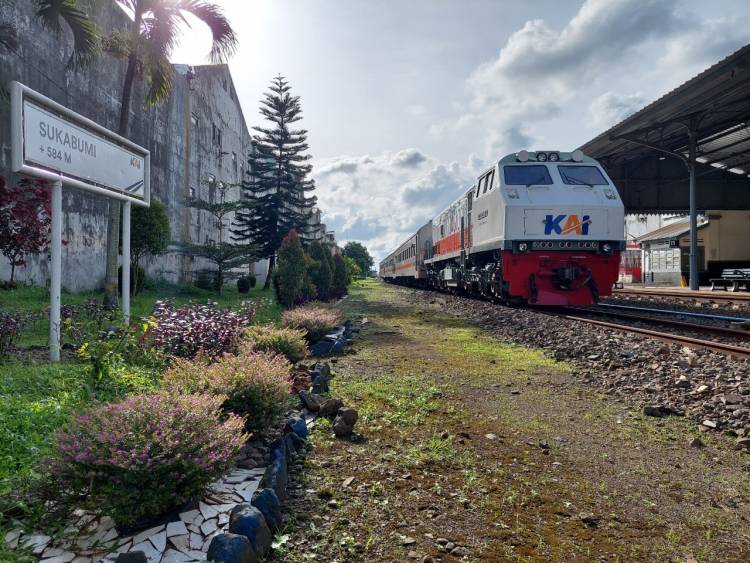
(56, 139)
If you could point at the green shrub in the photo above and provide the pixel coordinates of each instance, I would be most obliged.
(243, 284)
(150, 454)
(288, 342)
(290, 272)
(320, 270)
(255, 385)
(340, 278)
(315, 320)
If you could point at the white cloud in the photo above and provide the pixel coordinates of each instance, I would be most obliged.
(543, 74)
(611, 108)
(381, 199)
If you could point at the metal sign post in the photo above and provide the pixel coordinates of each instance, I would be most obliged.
(53, 143)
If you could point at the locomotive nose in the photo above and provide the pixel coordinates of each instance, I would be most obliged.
(570, 275)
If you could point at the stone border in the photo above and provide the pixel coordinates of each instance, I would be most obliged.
(245, 502)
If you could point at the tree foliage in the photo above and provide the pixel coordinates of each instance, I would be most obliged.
(149, 236)
(352, 270)
(222, 253)
(277, 187)
(321, 274)
(340, 278)
(357, 252)
(25, 218)
(86, 42)
(290, 274)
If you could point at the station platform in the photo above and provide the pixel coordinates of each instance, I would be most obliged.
(702, 293)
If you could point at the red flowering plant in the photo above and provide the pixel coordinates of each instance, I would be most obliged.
(186, 331)
(25, 218)
(145, 456)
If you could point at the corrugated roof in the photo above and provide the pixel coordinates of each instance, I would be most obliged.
(717, 101)
(673, 230)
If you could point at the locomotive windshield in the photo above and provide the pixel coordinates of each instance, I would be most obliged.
(582, 175)
(527, 175)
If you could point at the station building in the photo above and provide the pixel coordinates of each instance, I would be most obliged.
(722, 244)
(198, 138)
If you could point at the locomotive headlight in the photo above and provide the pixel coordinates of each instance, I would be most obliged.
(513, 193)
(554, 157)
(523, 247)
(610, 194)
(606, 248)
(541, 157)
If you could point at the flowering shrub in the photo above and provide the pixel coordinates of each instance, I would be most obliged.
(289, 342)
(148, 455)
(255, 385)
(316, 321)
(11, 325)
(185, 331)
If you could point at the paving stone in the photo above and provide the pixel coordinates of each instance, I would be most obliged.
(159, 540)
(180, 542)
(37, 543)
(207, 511)
(62, 557)
(174, 556)
(196, 541)
(151, 553)
(189, 516)
(143, 536)
(11, 538)
(176, 529)
(209, 527)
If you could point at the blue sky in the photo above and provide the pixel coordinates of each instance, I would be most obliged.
(406, 101)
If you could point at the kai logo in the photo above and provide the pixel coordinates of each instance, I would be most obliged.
(566, 225)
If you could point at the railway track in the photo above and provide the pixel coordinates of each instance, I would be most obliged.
(703, 295)
(733, 350)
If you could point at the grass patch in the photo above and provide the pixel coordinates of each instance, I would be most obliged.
(35, 400)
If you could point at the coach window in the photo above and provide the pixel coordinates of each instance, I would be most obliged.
(490, 180)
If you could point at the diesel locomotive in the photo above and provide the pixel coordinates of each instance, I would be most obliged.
(542, 228)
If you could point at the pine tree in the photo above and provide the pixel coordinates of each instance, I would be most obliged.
(225, 255)
(275, 194)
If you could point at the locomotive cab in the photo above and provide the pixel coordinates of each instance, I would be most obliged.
(560, 223)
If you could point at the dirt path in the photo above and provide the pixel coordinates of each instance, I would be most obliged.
(500, 451)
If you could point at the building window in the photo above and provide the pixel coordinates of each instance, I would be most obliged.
(192, 191)
(216, 135)
(234, 162)
(194, 120)
(211, 188)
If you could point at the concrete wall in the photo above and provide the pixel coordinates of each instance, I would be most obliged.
(182, 155)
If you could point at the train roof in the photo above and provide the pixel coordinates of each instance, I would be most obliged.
(523, 156)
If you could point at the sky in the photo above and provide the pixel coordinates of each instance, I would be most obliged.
(407, 101)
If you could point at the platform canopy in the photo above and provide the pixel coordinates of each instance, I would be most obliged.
(648, 154)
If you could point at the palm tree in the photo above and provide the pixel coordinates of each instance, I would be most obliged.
(52, 13)
(147, 46)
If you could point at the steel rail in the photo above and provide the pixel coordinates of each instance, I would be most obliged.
(675, 313)
(669, 322)
(723, 296)
(719, 347)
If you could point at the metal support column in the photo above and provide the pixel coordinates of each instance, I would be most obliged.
(55, 271)
(126, 261)
(693, 213)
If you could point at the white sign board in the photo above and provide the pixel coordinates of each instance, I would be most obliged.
(49, 137)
